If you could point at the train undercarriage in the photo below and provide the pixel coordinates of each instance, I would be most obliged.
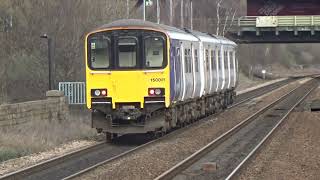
(155, 119)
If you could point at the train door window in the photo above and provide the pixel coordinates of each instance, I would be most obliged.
(196, 60)
(190, 60)
(186, 60)
(127, 52)
(213, 58)
(231, 59)
(221, 59)
(154, 52)
(226, 59)
(100, 50)
(207, 60)
(217, 59)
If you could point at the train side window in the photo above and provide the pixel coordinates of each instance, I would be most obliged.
(196, 60)
(100, 50)
(154, 52)
(127, 52)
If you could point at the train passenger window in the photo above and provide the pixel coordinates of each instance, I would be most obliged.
(154, 52)
(127, 51)
(196, 60)
(100, 52)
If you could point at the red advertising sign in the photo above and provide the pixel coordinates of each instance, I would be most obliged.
(283, 7)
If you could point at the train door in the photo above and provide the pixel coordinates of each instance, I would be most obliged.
(193, 62)
(210, 70)
(177, 66)
(222, 68)
(183, 74)
(217, 67)
(235, 68)
(188, 72)
(214, 71)
(229, 67)
(196, 69)
(232, 68)
(202, 68)
(206, 69)
(226, 72)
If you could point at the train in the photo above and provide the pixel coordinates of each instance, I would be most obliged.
(143, 77)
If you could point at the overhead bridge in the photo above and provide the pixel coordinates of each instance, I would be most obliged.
(276, 29)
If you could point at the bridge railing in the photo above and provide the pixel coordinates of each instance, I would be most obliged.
(247, 21)
(279, 21)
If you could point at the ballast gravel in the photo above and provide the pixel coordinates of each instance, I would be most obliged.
(33, 159)
(151, 161)
(293, 152)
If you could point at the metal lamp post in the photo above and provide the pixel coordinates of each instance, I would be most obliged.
(49, 40)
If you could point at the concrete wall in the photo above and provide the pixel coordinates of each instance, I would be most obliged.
(54, 108)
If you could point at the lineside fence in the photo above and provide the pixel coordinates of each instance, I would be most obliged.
(74, 91)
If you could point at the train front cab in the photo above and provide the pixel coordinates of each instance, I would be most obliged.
(127, 78)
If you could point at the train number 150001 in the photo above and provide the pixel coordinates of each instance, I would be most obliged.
(158, 79)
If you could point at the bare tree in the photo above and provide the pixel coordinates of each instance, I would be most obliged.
(218, 16)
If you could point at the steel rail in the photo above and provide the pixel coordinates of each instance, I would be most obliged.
(75, 154)
(172, 172)
(268, 136)
(260, 91)
(49, 163)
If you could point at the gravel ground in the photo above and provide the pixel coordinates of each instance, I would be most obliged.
(293, 152)
(245, 82)
(27, 161)
(258, 85)
(153, 160)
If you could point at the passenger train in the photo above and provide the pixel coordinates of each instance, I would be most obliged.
(143, 77)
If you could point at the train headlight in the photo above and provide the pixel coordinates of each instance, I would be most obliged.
(156, 91)
(99, 92)
(151, 92)
(104, 92)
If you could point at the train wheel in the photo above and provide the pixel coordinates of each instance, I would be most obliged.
(166, 127)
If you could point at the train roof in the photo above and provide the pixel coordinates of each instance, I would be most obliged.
(173, 32)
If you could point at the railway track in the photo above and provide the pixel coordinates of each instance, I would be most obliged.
(231, 151)
(84, 160)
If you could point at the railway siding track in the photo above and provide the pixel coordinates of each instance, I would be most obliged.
(78, 162)
(238, 145)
